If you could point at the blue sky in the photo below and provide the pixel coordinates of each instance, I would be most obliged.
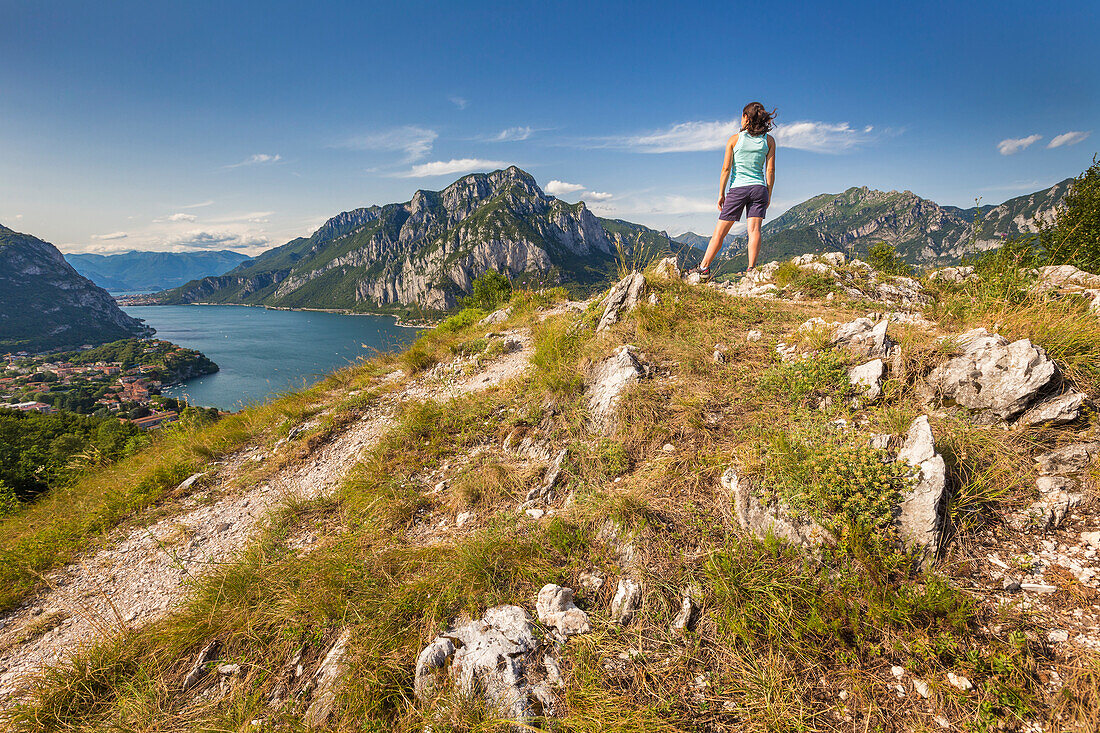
(241, 125)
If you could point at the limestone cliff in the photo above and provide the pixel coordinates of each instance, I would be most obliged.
(426, 252)
(45, 304)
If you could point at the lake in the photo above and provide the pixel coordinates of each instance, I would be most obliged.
(263, 352)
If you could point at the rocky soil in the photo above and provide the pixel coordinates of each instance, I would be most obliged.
(148, 567)
(1040, 560)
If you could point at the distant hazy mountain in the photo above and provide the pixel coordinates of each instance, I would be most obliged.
(46, 304)
(152, 271)
(692, 239)
(426, 252)
(921, 230)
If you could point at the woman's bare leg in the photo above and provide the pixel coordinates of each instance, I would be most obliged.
(715, 246)
(754, 239)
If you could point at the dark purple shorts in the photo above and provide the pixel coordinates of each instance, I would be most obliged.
(755, 198)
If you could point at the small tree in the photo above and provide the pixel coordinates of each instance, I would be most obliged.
(490, 291)
(1073, 238)
(884, 258)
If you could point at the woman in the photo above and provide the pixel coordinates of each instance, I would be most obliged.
(749, 169)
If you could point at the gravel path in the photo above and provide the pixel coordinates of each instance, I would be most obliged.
(149, 570)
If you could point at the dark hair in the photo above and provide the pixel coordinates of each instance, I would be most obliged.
(760, 121)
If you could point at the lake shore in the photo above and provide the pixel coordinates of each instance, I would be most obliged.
(140, 302)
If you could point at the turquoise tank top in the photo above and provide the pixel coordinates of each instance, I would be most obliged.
(749, 156)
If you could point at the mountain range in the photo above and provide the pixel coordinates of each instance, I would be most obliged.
(425, 253)
(922, 231)
(46, 304)
(152, 271)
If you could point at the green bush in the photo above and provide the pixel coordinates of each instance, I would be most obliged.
(463, 319)
(1005, 273)
(884, 258)
(1074, 236)
(797, 380)
(491, 290)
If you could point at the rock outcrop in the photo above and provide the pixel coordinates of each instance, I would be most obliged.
(608, 380)
(555, 608)
(45, 304)
(622, 298)
(992, 377)
(919, 523)
(428, 251)
(495, 657)
(764, 520)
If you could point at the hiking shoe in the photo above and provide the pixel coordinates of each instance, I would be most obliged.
(704, 274)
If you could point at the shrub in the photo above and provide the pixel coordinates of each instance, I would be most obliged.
(463, 319)
(1074, 236)
(884, 258)
(490, 291)
(797, 380)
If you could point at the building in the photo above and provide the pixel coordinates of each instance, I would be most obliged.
(29, 406)
(155, 420)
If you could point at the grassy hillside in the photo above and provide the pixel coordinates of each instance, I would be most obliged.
(787, 638)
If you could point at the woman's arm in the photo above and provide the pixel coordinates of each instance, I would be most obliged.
(726, 166)
(769, 166)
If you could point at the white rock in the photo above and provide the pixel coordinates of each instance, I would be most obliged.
(497, 316)
(1068, 459)
(188, 482)
(462, 518)
(864, 337)
(1057, 636)
(762, 520)
(489, 657)
(867, 378)
(555, 608)
(960, 682)
(1092, 539)
(1055, 410)
(327, 681)
(606, 383)
(689, 610)
(667, 269)
(535, 513)
(897, 672)
(995, 378)
(591, 581)
(753, 336)
(921, 688)
(623, 297)
(919, 522)
(228, 670)
(628, 597)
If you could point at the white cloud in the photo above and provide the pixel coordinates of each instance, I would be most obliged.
(199, 205)
(561, 188)
(112, 235)
(177, 217)
(460, 102)
(450, 167)
(685, 137)
(513, 134)
(203, 239)
(257, 159)
(661, 205)
(415, 142)
(251, 217)
(821, 137)
(1011, 146)
(1068, 138)
(599, 196)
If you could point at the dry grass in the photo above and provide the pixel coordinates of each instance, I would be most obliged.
(781, 633)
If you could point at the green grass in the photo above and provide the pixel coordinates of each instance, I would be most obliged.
(782, 630)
